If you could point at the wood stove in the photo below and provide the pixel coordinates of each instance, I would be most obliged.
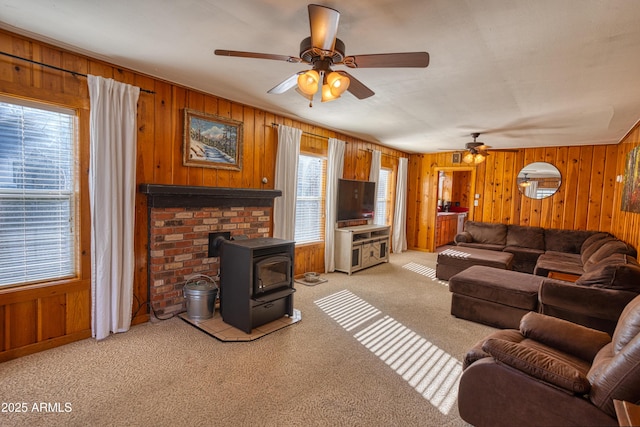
(256, 281)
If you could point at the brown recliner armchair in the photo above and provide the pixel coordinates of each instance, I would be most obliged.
(552, 372)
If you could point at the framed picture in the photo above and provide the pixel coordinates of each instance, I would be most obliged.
(211, 141)
(631, 189)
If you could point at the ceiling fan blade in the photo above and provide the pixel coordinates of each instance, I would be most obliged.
(384, 60)
(240, 54)
(356, 87)
(284, 86)
(323, 22)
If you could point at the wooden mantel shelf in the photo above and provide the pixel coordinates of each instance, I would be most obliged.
(181, 196)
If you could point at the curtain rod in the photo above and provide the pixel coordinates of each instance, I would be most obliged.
(303, 132)
(382, 154)
(75, 73)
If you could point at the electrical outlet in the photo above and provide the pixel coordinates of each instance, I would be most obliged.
(475, 203)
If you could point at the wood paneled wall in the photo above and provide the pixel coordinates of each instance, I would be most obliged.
(626, 225)
(588, 199)
(29, 319)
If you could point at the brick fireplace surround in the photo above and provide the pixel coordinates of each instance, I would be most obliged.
(180, 220)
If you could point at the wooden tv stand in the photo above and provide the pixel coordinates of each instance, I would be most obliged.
(361, 246)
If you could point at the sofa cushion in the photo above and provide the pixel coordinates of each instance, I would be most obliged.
(560, 262)
(538, 364)
(565, 240)
(525, 237)
(524, 259)
(618, 271)
(592, 244)
(613, 259)
(607, 249)
(563, 335)
(485, 246)
(484, 232)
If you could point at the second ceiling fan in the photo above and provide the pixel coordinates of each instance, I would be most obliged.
(323, 50)
(477, 152)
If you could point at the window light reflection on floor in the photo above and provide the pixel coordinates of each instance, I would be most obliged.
(425, 271)
(431, 371)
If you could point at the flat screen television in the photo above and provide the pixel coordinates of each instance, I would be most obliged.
(356, 199)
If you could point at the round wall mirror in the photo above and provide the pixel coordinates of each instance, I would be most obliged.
(539, 180)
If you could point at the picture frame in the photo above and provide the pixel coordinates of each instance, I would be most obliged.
(212, 141)
(631, 188)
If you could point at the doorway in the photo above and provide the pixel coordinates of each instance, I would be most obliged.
(455, 190)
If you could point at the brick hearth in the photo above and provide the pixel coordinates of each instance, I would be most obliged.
(180, 220)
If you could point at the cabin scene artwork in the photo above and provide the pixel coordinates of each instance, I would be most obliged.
(631, 189)
(212, 141)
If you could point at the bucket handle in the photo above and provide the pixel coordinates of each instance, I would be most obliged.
(194, 276)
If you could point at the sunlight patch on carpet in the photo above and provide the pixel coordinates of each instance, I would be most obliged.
(347, 309)
(425, 271)
(431, 371)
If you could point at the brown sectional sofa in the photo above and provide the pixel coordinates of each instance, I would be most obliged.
(605, 270)
(552, 372)
(560, 250)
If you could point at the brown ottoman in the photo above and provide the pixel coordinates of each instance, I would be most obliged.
(455, 259)
(494, 296)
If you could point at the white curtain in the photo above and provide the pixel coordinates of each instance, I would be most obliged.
(532, 189)
(335, 166)
(112, 191)
(399, 238)
(374, 176)
(286, 180)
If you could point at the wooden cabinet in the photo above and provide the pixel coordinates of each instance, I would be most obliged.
(446, 228)
(361, 246)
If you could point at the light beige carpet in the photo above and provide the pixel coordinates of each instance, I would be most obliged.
(378, 348)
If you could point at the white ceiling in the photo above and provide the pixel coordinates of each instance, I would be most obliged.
(524, 73)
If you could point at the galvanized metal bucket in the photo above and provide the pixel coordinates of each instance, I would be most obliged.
(200, 292)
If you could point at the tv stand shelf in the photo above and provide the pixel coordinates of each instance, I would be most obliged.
(361, 246)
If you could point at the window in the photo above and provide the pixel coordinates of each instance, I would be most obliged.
(310, 202)
(383, 201)
(37, 181)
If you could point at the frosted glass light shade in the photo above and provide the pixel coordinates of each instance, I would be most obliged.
(327, 94)
(308, 82)
(467, 158)
(337, 83)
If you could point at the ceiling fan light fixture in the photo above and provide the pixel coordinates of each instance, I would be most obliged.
(478, 158)
(525, 182)
(337, 83)
(473, 158)
(327, 93)
(308, 82)
(468, 158)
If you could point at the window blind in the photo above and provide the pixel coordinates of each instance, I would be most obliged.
(381, 198)
(37, 183)
(310, 199)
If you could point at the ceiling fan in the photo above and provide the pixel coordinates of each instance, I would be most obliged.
(476, 151)
(323, 50)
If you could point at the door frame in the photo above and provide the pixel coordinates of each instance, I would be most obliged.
(432, 205)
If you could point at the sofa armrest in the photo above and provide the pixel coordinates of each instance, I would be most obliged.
(464, 237)
(589, 301)
(563, 335)
(538, 364)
